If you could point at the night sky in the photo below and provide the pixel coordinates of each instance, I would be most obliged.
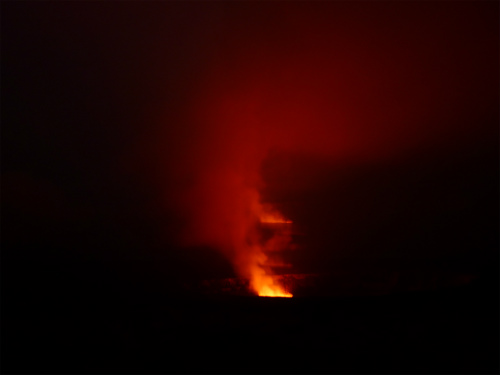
(127, 127)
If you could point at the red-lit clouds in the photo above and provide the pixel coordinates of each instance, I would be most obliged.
(362, 82)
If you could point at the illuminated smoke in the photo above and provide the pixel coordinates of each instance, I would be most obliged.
(349, 90)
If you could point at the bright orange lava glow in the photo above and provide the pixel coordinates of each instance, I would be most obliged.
(271, 292)
(265, 286)
(274, 293)
(261, 280)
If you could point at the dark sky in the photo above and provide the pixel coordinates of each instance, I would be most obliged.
(372, 125)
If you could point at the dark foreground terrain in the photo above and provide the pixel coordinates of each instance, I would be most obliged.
(93, 327)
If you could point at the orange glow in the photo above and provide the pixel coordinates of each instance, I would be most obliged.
(273, 218)
(262, 282)
(264, 285)
(261, 279)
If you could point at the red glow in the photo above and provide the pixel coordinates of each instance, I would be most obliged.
(333, 81)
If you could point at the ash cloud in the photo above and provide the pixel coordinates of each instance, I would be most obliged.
(333, 82)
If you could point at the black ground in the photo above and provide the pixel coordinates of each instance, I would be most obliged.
(60, 322)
